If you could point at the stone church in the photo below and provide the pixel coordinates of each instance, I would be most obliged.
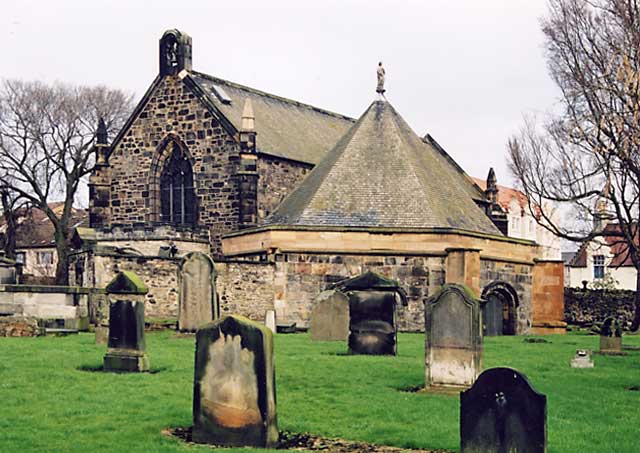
(288, 198)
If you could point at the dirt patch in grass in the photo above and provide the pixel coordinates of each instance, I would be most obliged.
(305, 441)
(633, 388)
(536, 340)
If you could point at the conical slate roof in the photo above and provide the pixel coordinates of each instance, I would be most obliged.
(381, 174)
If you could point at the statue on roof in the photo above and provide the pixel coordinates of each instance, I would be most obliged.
(380, 88)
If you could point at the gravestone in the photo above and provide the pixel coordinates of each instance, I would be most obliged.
(234, 397)
(502, 412)
(582, 359)
(102, 334)
(126, 344)
(270, 320)
(330, 316)
(610, 337)
(197, 304)
(453, 329)
(372, 313)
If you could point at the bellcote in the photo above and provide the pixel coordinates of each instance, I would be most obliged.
(175, 52)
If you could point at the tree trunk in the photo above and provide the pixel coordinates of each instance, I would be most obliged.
(62, 249)
(636, 317)
(10, 221)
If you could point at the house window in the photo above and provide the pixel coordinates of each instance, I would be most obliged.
(598, 266)
(44, 257)
(177, 195)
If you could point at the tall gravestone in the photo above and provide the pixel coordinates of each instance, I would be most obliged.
(610, 337)
(502, 412)
(453, 328)
(330, 316)
(372, 313)
(234, 397)
(126, 345)
(197, 304)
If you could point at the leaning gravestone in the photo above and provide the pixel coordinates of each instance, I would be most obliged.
(234, 397)
(126, 345)
(330, 316)
(453, 329)
(502, 412)
(197, 305)
(372, 313)
(610, 337)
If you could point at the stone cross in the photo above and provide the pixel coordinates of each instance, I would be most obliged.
(502, 412)
(234, 396)
(330, 316)
(126, 345)
(453, 330)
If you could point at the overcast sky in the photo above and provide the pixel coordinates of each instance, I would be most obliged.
(464, 71)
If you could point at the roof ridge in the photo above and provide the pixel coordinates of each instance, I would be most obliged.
(273, 96)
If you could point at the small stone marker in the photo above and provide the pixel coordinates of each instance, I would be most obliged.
(126, 324)
(197, 305)
(372, 313)
(234, 398)
(330, 316)
(502, 412)
(610, 337)
(453, 331)
(270, 320)
(582, 359)
(102, 334)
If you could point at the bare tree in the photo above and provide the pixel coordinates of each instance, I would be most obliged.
(47, 133)
(587, 157)
(12, 206)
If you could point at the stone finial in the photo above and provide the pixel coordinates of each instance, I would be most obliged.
(248, 118)
(101, 134)
(492, 187)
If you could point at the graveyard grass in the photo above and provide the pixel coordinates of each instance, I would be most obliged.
(51, 401)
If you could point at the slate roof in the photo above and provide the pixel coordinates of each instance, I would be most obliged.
(285, 128)
(381, 174)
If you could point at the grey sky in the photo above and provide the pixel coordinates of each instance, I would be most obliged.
(465, 71)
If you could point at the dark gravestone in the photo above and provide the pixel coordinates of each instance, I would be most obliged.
(610, 336)
(453, 337)
(503, 413)
(234, 397)
(330, 316)
(372, 313)
(197, 305)
(126, 344)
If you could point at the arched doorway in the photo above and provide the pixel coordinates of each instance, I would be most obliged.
(499, 312)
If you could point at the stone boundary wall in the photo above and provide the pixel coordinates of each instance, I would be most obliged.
(520, 277)
(245, 288)
(592, 306)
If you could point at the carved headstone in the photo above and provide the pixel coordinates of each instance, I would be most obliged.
(582, 359)
(372, 313)
(610, 336)
(330, 316)
(197, 304)
(453, 331)
(502, 412)
(126, 346)
(234, 398)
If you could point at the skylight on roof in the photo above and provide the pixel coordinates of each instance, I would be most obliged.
(221, 94)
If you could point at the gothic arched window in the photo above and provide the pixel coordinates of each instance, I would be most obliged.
(177, 195)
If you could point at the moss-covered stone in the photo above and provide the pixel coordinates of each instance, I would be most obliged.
(126, 282)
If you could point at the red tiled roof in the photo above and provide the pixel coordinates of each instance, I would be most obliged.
(617, 246)
(505, 194)
(36, 230)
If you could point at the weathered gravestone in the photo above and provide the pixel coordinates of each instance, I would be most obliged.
(126, 346)
(234, 397)
(610, 337)
(372, 313)
(197, 304)
(270, 320)
(582, 359)
(453, 329)
(503, 413)
(330, 316)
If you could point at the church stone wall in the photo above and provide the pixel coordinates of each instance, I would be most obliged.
(276, 179)
(299, 278)
(173, 110)
(520, 277)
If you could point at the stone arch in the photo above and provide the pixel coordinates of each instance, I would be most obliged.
(500, 311)
(161, 155)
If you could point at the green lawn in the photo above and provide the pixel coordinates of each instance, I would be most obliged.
(48, 404)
